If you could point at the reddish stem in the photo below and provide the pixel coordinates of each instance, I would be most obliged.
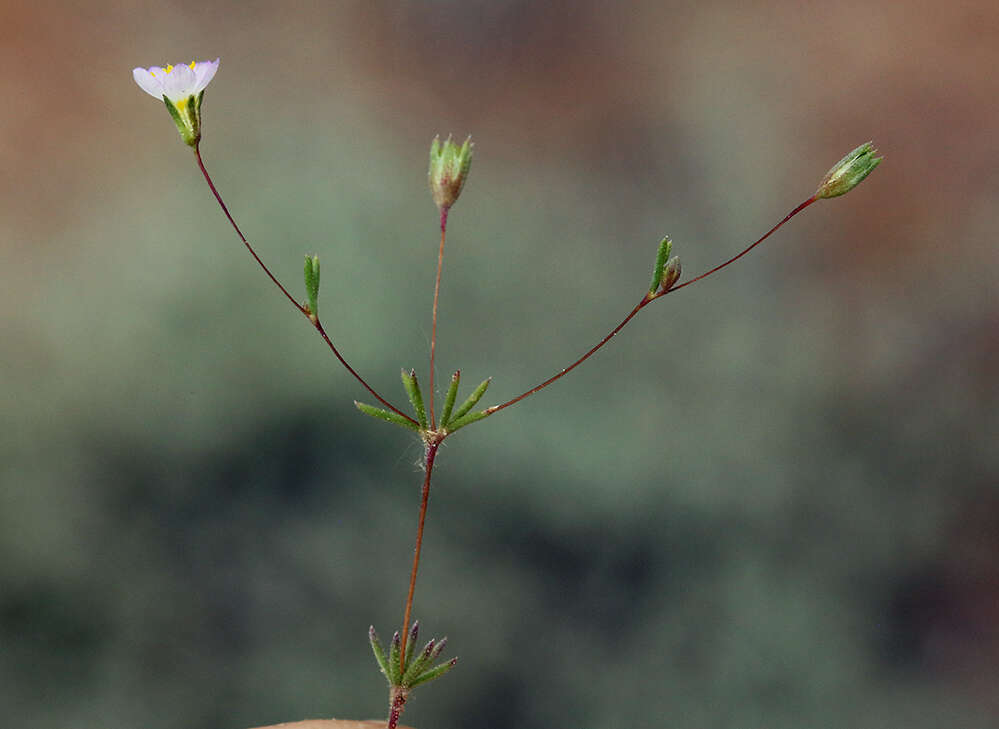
(648, 299)
(743, 252)
(397, 702)
(638, 307)
(430, 455)
(433, 328)
(314, 319)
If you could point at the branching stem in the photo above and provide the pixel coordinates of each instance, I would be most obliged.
(648, 299)
(303, 310)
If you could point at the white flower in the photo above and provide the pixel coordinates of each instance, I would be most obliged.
(181, 88)
(177, 83)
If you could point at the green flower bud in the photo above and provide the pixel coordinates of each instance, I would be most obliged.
(449, 165)
(849, 171)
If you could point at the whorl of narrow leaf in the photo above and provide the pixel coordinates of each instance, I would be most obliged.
(414, 670)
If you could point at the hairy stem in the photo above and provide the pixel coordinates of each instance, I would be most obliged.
(428, 467)
(397, 702)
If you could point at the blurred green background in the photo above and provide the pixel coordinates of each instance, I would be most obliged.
(771, 502)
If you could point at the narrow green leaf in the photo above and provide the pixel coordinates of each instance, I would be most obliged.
(378, 650)
(435, 672)
(312, 283)
(415, 396)
(416, 668)
(665, 245)
(387, 415)
(467, 419)
(472, 399)
(438, 649)
(393, 659)
(452, 393)
(414, 633)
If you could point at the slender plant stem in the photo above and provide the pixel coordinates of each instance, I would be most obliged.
(431, 454)
(314, 319)
(215, 192)
(746, 250)
(433, 327)
(562, 373)
(648, 299)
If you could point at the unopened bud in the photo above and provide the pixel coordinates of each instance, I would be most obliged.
(671, 274)
(849, 171)
(449, 165)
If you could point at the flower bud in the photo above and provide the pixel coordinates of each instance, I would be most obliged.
(849, 171)
(671, 274)
(449, 165)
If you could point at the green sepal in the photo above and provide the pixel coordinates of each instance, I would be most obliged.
(174, 113)
(665, 246)
(190, 127)
(435, 672)
(467, 419)
(415, 396)
(849, 171)
(312, 284)
(387, 415)
(476, 395)
(449, 166)
(379, 651)
(452, 393)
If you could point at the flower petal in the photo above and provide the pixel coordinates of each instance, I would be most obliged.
(148, 82)
(178, 82)
(204, 72)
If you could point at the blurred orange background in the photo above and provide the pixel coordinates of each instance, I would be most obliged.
(772, 501)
